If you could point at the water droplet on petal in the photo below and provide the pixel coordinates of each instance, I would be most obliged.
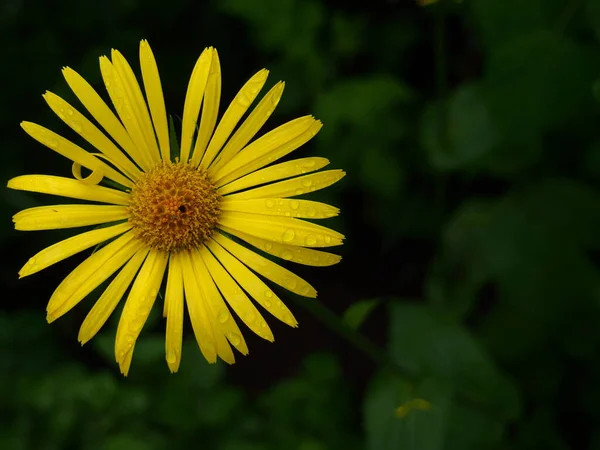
(76, 126)
(312, 212)
(268, 294)
(310, 240)
(299, 191)
(222, 316)
(294, 204)
(268, 246)
(327, 239)
(288, 235)
(270, 203)
(287, 255)
(263, 324)
(234, 338)
(307, 182)
(70, 112)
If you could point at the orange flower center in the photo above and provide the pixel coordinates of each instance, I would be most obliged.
(174, 207)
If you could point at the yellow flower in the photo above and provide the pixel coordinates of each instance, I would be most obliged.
(182, 215)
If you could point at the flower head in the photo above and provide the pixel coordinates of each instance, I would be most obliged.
(193, 215)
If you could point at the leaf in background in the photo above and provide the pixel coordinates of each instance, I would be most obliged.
(467, 134)
(530, 248)
(356, 313)
(417, 430)
(435, 346)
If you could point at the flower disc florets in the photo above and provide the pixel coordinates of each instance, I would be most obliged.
(174, 207)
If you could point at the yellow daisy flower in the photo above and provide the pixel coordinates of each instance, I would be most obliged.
(183, 215)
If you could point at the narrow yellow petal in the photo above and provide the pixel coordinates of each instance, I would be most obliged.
(138, 305)
(87, 130)
(269, 148)
(67, 216)
(156, 100)
(210, 109)
(73, 152)
(267, 268)
(67, 187)
(284, 230)
(201, 323)
(281, 207)
(233, 114)
(217, 307)
(251, 125)
(217, 311)
(69, 247)
(110, 298)
(236, 298)
(299, 255)
(193, 100)
(292, 187)
(120, 96)
(101, 112)
(174, 313)
(125, 363)
(136, 100)
(279, 171)
(257, 289)
(90, 274)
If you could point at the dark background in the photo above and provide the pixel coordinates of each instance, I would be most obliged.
(470, 132)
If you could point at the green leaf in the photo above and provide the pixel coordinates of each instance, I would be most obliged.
(434, 345)
(462, 134)
(356, 313)
(418, 429)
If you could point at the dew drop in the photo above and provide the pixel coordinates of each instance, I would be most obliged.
(76, 126)
(307, 182)
(263, 324)
(222, 316)
(287, 255)
(327, 239)
(70, 112)
(270, 203)
(280, 304)
(299, 191)
(53, 143)
(309, 163)
(294, 204)
(267, 303)
(291, 284)
(234, 338)
(288, 235)
(312, 212)
(268, 246)
(171, 356)
(310, 240)
(250, 316)
(268, 294)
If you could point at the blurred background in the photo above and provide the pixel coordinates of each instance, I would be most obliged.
(465, 313)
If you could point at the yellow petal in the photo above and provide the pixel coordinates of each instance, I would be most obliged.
(201, 323)
(235, 297)
(257, 289)
(101, 112)
(67, 187)
(300, 255)
(87, 130)
(71, 151)
(233, 114)
(281, 207)
(69, 247)
(90, 274)
(134, 94)
(267, 268)
(217, 307)
(138, 305)
(283, 230)
(174, 313)
(67, 216)
(210, 109)
(156, 100)
(279, 171)
(268, 148)
(193, 99)
(120, 95)
(223, 348)
(125, 363)
(251, 125)
(110, 298)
